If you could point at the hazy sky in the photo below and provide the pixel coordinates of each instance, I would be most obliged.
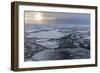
(56, 18)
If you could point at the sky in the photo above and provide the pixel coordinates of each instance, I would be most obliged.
(56, 18)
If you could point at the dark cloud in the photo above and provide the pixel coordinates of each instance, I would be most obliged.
(69, 18)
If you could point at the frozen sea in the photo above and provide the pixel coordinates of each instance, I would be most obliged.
(55, 37)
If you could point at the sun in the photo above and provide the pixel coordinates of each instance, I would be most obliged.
(38, 17)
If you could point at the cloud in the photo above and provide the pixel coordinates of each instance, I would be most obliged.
(58, 18)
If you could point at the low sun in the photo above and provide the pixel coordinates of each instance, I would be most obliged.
(38, 17)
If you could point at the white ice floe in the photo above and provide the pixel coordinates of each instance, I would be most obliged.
(47, 34)
(49, 44)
